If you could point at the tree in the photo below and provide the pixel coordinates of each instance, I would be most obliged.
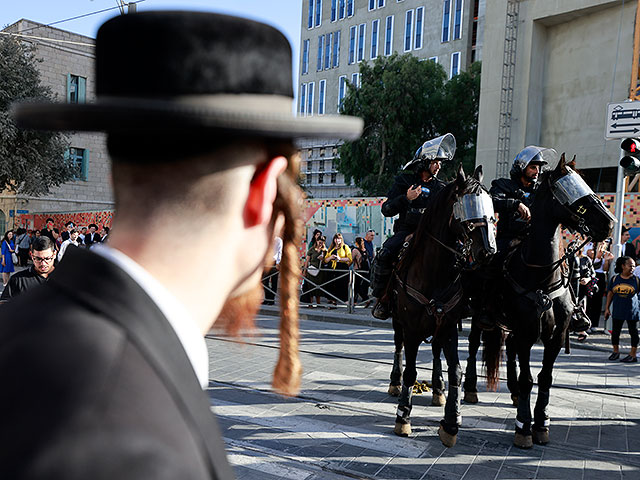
(398, 99)
(31, 162)
(404, 102)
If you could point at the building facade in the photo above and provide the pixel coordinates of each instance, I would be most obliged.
(338, 35)
(67, 67)
(549, 70)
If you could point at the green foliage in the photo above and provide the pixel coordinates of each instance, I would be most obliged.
(31, 162)
(404, 102)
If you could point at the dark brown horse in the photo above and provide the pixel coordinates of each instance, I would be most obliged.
(456, 227)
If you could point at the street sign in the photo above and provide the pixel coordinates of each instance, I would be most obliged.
(623, 120)
(22, 212)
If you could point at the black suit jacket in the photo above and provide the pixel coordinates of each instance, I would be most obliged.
(99, 387)
(88, 241)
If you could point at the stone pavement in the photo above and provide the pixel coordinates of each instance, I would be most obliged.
(340, 426)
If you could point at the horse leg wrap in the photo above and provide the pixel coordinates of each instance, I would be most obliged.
(402, 427)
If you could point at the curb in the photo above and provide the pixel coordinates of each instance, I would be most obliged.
(337, 316)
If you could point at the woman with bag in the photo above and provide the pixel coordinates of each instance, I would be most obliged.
(338, 258)
(623, 295)
(361, 265)
(8, 251)
(311, 272)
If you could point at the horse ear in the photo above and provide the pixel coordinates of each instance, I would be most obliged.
(561, 163)
(477, 173)
(572, 163)
(461, 178)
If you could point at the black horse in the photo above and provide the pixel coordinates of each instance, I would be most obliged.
(457, 226)
(536, 302)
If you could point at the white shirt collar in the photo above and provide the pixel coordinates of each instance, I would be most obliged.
(175, 312)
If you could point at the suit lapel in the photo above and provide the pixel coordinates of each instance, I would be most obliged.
(113, 293)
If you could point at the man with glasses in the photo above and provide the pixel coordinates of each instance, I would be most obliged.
(43, 256)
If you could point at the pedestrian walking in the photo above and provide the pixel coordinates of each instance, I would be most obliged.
(7, 260)
(43, 255)
(622, 295)
(23, 243)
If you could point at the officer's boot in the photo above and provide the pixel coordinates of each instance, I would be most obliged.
(380, 275)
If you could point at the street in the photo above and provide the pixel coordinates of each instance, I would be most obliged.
(341, 425)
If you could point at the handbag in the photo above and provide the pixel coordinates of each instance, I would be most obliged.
(14, 258)
(313, 270)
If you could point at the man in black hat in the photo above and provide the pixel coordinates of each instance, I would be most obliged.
(201, 132)
(409, 196)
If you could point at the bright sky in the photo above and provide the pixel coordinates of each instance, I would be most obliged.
(283, 14)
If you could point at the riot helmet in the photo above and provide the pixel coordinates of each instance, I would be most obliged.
(531, 155)
(440, 148)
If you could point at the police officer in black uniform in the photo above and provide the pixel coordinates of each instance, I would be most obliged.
(408, 197)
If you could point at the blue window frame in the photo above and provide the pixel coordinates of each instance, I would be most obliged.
(380, 3)
(327, 51)
(334, 10)
(446, 20)
(355, 80)
(417, 42)
(455, 64)
(388, 38)
(76, 89)
(310, 90)
(341, 10)
(375, 25)
(318, 12)
(372, 4)
(305, 57)
(342, 90)
(310, 22)
(336, 49)
(457, 20)
(352, 45)
(408, 30)
(78, 159)
(303, 98)
(349, 8)
(321, 91)
(320, 45)
(361, 37)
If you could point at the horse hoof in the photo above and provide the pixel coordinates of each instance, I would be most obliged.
(470, 397)
(438, 399)
(446, 439)
(523, 441)
(402, 429)
(514, 400)
(395, 390)
(541, 437)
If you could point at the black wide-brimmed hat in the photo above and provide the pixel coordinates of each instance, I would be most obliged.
(189, 71)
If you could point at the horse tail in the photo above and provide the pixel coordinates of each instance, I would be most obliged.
(493, 341)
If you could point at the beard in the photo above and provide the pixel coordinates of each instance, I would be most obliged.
(239, 312)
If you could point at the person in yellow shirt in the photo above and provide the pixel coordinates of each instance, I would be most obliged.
(338, 258)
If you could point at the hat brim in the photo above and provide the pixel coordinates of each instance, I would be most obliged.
(233, 115)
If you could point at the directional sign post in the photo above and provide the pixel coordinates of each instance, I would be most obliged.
(623, 120)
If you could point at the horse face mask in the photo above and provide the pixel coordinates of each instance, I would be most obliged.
(476, 209)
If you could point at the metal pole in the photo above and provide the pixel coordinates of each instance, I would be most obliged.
(620, 191)
(352, 290)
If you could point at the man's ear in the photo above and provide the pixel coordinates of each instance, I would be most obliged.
(262, 192)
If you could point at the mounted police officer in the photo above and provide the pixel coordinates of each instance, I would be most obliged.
(409, 196)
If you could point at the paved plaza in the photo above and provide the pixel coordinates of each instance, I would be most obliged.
(341, 424)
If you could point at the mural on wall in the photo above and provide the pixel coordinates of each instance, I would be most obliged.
(81, 219)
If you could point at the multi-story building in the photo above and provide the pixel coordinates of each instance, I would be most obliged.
(548, 71)
(337, 35)
(67, 67)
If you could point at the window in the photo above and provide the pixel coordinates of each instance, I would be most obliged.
(321, 178)
(341, 9)
(352, 45)
(355, 80)
(446, 20)
(321, 166)
(305, 57)
(349, 8)
(457, 20)
(372, 5)
(309, 165)
(327, 51)
(388, 38)
(321, 91)
(434, 59)
(318, 12)
(310, 22)
(342, 89)
(320, 45)
(361, 36)
(334, 177)
(78, 159)
(455, 64)
(374, 38)
(322, 151)
(76, 89)
(417, 42)
(310, 98)
(380, 3)
(336, 49)
(303, 96)
(334, 10)
(408, 30)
